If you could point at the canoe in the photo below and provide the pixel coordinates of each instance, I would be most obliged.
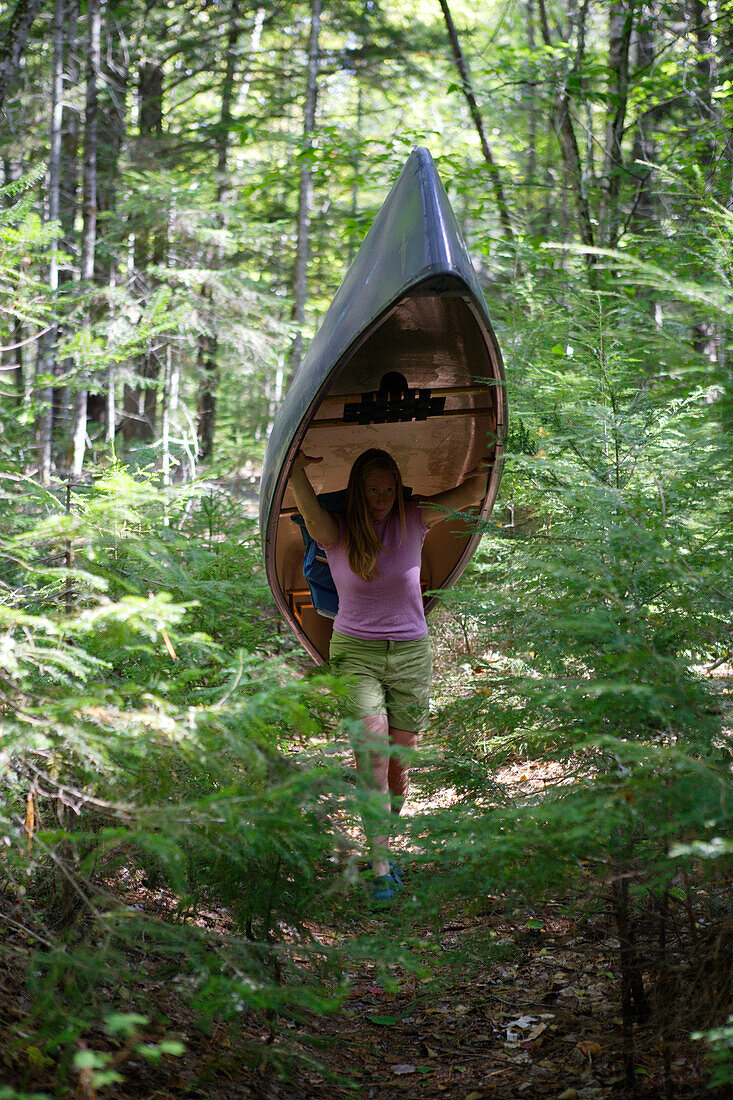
(405, 360)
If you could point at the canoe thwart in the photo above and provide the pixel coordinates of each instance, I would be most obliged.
(394, 402)
(332, 421)
(442, 391)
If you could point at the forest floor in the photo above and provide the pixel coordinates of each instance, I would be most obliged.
(538, 1017)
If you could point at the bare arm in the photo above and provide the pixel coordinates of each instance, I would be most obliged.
(472, 490)
(319, 523)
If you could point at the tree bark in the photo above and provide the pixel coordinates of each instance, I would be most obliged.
(208, 341)
(113, 134)
(530, 171)
(149, 248)
(14, 42)
(89, 212)
(12, 354)
(621, 21)
(494, 174)
(47, 345)
(68, 193)
(568, 142)
(644, 207)
(305, 195)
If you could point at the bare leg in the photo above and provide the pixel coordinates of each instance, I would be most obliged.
(398, 772)
(372, 764)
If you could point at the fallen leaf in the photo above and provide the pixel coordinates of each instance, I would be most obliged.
(535, 1033)
(407, 1068)
(589, 1048)
(383, 1021)
(569, 1094)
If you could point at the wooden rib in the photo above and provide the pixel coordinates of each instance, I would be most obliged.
(333, 422)
(447, 391)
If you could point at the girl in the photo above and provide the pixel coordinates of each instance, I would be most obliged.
(380, 635)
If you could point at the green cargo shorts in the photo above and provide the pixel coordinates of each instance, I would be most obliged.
(391, 678)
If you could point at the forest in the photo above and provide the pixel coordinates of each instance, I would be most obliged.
(183, 186)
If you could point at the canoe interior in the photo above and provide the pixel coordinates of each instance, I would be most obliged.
(438, 339)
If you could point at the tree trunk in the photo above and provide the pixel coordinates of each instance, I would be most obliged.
(12, 355)
(494, 175)
(208, 340)
(113, 134)
(621, 20)
(91, 134)
(300, 273)
(568, 143)
(68, 194)
(644, 206)
(140, 401)
(165, 419)
(14, 42)
(530, 170)
(47, 345)
(89, 210)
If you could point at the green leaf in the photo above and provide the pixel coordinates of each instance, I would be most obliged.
(126, 1023)
(91, 1059)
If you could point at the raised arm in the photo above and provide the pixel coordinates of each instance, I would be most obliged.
(319, 523)
(472, 490)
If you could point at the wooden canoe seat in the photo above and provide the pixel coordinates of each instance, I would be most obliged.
(299, 600)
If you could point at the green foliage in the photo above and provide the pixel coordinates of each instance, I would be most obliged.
(592, 615)
(146, 766)
(170, 813)
(720, 1043)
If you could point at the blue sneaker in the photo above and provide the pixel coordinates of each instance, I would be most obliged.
(385, 888)
(397, 874)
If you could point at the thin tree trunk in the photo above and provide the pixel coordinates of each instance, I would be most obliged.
(68, 193)
(531, 161)
(165, 419)
(47, 345)
(621, 21)
(14, 41)
(89, 208)
(140, 401)
(12, 354)
(494, 174)
(568, 142)
(91, 127)
(703, 88)
(12, 359)
(208, 340)
(113, 134)
(300, 273)
(644, 207)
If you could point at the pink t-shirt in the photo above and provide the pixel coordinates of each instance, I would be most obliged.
(390, 605)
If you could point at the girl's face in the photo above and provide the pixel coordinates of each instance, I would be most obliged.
(380, 490)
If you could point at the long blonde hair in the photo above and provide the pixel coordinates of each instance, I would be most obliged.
(362, 544)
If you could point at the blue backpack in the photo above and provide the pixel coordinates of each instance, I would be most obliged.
(315, 564)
